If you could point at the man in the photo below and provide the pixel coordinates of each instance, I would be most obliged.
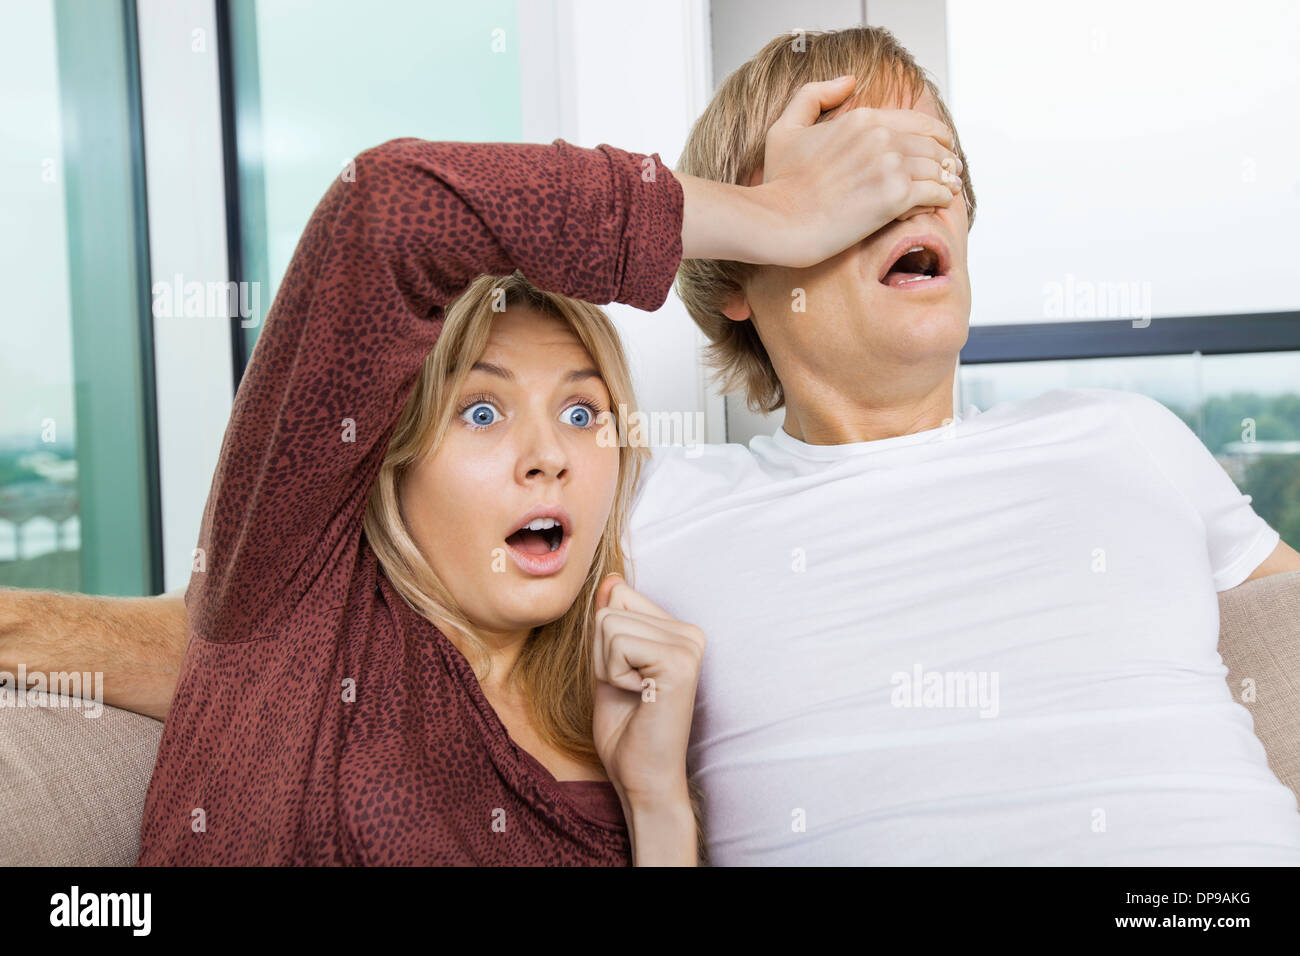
(981, 638)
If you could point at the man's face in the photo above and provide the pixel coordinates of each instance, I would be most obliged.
(853, 322)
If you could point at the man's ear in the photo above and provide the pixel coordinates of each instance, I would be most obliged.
(736, 308)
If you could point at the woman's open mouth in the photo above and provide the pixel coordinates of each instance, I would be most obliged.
(540, 545)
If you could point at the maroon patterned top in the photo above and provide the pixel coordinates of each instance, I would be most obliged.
(265, 757)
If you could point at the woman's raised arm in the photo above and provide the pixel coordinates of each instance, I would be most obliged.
(394, 240)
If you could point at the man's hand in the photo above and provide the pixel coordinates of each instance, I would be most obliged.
(824, 185)
(136, 643)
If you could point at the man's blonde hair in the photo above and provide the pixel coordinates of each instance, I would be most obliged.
(726, 145)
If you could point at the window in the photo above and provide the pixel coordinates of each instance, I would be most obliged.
(1137, 188)
(78, 473)
(313, 84)
(1130, 160)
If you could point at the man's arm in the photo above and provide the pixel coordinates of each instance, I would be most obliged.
(1284, 558)
(136, 643)
(1259, 641)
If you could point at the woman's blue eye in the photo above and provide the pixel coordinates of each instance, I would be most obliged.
(480, 413)
(580, 415)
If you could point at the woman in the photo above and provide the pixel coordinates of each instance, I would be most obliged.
(346, 572)
(388, 664)
(381, 669)
(497, 418)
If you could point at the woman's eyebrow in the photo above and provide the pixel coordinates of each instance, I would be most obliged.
(577, 375)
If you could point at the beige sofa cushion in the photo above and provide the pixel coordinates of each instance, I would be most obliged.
(72, 786)
(1259, 640)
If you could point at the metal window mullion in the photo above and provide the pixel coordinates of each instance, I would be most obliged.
(1119, 338)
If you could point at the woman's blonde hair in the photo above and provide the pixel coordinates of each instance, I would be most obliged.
(554, 668)
(726, 145)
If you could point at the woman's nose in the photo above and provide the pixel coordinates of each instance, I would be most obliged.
(547, 468)
(543, 454)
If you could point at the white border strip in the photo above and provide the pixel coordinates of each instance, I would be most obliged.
(180, 93)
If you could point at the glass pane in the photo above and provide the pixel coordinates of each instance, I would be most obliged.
(76, 502)
(1129, 157)
(1246, 408)
(315, 84)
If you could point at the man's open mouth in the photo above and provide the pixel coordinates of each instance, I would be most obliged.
(914, 261)
(539, 536)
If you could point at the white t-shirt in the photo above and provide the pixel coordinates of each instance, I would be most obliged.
(993, 642)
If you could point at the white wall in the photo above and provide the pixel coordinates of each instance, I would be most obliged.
(637, 81)
(187, 236)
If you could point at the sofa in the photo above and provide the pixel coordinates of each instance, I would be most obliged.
(72, 787)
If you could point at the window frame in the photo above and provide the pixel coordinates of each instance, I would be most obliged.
(1119, 338)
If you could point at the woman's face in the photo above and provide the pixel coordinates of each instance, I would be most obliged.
(522, 440)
